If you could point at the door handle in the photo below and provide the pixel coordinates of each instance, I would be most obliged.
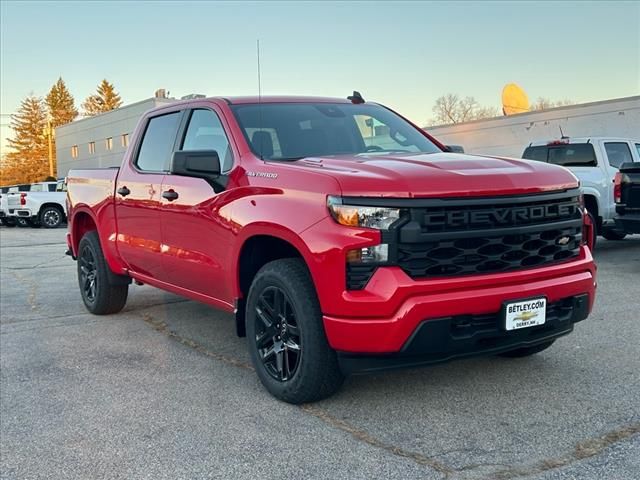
(124, 191)
(170, 195)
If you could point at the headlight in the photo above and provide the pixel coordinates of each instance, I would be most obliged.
(379, 218)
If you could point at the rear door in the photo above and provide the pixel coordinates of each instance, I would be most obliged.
(137, 197)
(195, 230)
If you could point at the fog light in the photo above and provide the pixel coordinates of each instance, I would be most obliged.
(376, 254)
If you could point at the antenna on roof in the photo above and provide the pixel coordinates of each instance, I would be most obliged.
(562, 135)
(259, 96)
(355, 98)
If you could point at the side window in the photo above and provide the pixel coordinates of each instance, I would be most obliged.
(205, 132)
(157, 143)
(618, 153)
(638, 148)
(52, 187)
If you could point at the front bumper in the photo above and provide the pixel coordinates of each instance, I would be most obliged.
(442, 339)
(392, 307)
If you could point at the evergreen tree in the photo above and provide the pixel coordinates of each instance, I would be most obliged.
(105, 99)
(60, 103)
(61, 108)
(29, 153)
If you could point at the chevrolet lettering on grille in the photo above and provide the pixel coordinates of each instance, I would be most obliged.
(500, 216)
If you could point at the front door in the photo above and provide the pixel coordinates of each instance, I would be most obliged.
(138, 194)
(196, 234)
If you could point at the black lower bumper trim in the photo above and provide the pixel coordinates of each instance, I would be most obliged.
(442, 339)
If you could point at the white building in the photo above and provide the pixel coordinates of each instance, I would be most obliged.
(510, 135)
(99, 141)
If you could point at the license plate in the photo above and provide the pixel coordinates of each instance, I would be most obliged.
(527, 313)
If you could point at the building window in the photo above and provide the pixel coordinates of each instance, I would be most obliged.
(125, 140)
(109, 143)
(92, 147)
(74, 151)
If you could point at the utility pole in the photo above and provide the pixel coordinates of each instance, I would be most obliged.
(49, 132)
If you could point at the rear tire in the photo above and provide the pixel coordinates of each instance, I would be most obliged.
(99, 295)
(22, 222)
(611, 234)
(51, 217)
(527, 351)
(285, 334)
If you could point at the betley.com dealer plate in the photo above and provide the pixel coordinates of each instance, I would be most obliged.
(527, 313)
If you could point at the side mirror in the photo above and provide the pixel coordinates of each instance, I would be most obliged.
(454, 148)
(196, 163)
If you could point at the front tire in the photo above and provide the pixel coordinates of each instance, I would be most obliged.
(99, 295)
(285, 334)
(527, 351)
(51, 217)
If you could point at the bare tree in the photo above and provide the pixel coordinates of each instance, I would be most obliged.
(543, 103)
(451, 108)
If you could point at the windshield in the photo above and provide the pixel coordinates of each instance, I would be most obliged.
(290, 131)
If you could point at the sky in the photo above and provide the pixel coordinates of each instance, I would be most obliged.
(401, 54)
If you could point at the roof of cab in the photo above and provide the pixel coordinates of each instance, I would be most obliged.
(282, 99)
(574, 140)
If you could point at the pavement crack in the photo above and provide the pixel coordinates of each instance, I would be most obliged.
(585, 449)
(162, 327)
(38, 265)
(369, 439)
(33, 287)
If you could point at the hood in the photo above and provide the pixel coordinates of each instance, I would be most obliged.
(439, 175)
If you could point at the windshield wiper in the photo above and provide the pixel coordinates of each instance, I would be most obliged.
(284, 159)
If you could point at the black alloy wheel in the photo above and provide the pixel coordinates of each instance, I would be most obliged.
(285, 334)
(277, 334)
(88, 274)
(102, 291)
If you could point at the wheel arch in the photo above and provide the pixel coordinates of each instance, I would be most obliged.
(51, 204)
(83, 220)
(592, 203)
(257, 248)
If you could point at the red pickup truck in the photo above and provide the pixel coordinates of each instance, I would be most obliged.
(344, 238)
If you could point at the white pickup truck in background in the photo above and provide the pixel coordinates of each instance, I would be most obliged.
(595, 161)
(42, 204)
(5, 219)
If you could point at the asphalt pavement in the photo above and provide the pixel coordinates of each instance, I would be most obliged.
(164, 390)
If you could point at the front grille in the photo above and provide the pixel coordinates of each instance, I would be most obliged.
(508, 234)
(465, 236)
(488, 253)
